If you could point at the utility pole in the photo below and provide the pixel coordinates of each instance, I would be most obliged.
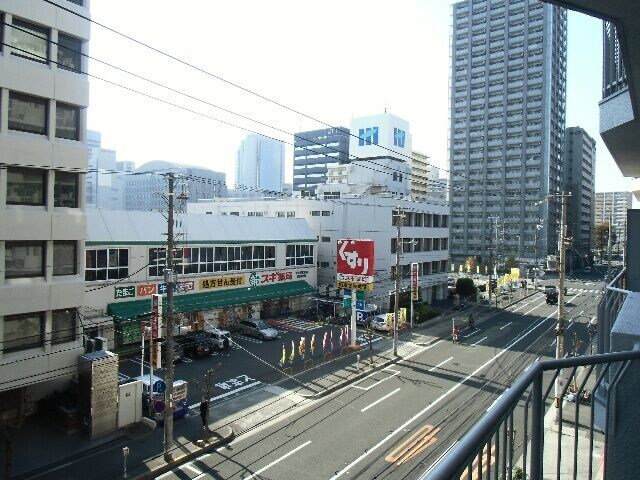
(561, 307)
(169, 281)
(491, 255)
(396, 310)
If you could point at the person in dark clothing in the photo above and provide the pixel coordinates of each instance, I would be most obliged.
(204, 412)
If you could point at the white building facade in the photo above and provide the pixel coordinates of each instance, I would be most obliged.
(43, 156)
(425, 235)
(227, 269)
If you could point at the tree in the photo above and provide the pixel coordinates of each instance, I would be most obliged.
(511, 263)
(602, 236)
(465, 287)
(470, 264)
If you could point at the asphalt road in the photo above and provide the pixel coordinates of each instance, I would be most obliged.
(397, 422)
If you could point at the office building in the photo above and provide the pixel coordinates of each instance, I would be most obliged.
(43, 158)
(425, 179)
(260, 164)
(579, 175)
(106, 176)
(508, 81)
(612, 207)
(313, 153)
(143, 190)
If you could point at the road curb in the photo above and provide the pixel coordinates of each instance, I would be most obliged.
(222, 436)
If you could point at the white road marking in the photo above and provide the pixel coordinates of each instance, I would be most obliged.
(505, 325)
(380, 399)
(440, 364)
(253, 475)
(438, 400)
(396, 372)
(244, 387)
(481, 340)
(552, 343)
(477, 330)
(192, 468)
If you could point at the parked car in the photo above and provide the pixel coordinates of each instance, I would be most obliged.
(259, 329)
(587, 269)
(379, 322)
(196, 345)
(221, 339)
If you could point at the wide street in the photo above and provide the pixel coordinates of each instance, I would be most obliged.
(398, 421)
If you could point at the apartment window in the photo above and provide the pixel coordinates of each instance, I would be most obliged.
(63, 326)
(326, 213)
(30, 41)
(69, 49)
(65, 190)
(24, 259)
(324, 264)
(280, 214)
(27, 113)
(23, 331)
(315, 213)
(64, 258)
(299, 255)
(67, 121)
(26, 186)
(110, 263)
(77, 2)
(291, 214)
(326, 239)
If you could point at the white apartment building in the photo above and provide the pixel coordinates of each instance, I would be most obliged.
(613, 206)
(425, 234)
(43, 156)
(227, 268)
(425, 179)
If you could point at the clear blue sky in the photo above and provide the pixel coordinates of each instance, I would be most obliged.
(333, 60)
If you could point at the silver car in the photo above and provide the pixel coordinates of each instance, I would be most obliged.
(259, 329)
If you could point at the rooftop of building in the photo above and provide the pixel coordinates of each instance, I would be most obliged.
(140, 227)
(163, 165)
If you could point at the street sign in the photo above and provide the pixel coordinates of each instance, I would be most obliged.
(360, 316)
(159, 386)
(415, 281)
(159, 406)
(156, 314)
(346, 302)
(359, 304)
(360, 295)
(355, 264)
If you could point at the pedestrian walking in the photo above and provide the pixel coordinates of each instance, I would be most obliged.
(204, 412)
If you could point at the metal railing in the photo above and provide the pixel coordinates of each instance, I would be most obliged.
(514, 439)
(613, 298)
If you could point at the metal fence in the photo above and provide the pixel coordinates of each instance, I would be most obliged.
(525, 435)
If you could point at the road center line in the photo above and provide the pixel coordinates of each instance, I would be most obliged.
(439, 399)
(440, 364)
(481, 340)
(505, 325)
(272, 463)
(380, 400)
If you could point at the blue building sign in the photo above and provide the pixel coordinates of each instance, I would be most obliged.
(368, 136)
(398, 137)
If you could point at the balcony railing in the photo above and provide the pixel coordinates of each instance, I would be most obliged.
(516, 435)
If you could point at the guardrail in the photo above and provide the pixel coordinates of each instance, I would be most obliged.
(508, 442)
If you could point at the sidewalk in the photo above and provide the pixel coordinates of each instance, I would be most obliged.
(567, 436)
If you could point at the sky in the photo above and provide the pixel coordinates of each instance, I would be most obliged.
(330, 61)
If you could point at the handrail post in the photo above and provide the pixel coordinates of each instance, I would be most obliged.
(537, 410)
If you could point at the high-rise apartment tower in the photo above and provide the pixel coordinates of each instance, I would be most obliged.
(508, 79)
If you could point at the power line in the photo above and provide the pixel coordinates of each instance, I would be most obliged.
(218, 77)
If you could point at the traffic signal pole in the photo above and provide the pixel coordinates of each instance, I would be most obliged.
(562, 241)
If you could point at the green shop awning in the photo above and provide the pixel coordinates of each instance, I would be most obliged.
(196, 302)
